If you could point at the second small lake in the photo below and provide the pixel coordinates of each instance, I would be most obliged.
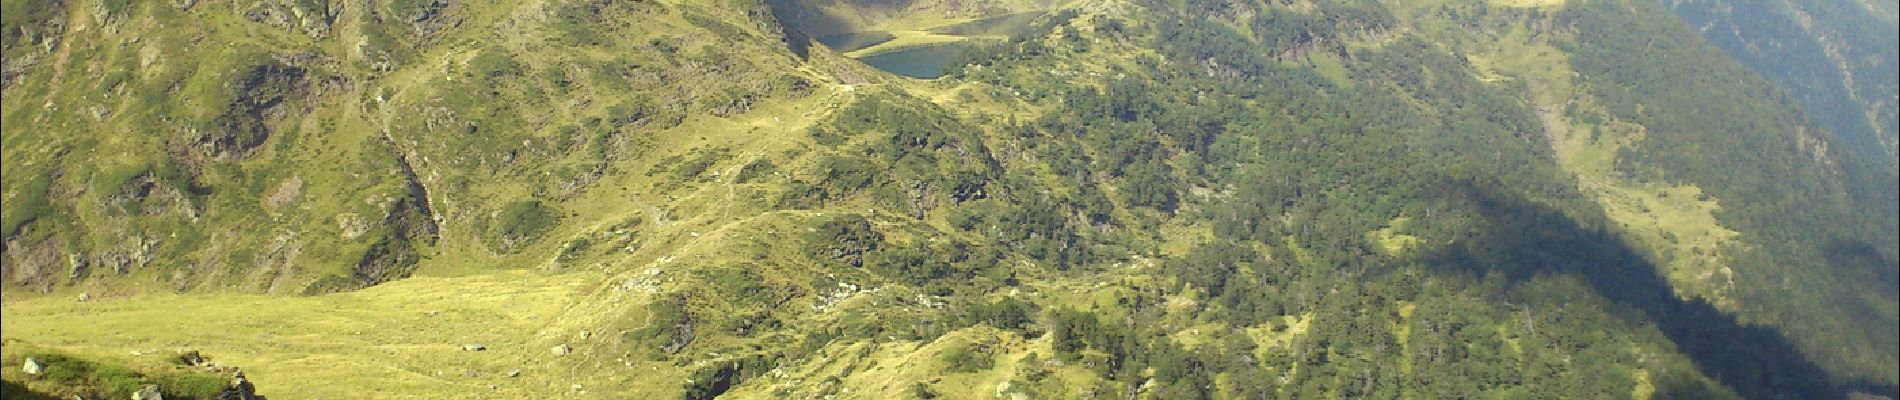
(925, 61)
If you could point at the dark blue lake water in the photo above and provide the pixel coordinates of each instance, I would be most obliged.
(916, 62)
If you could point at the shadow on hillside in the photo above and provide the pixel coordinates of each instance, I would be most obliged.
(807, 19)
(1864, 256)
(1525, 239)
(14, 390)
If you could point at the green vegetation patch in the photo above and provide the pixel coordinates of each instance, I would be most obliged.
(518, 224)
(64, 375)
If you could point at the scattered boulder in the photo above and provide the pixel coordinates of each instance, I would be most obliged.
(149, 392)
(514, 373)
(474, 347)
(241, 389)
(83, 296)
(562, 350)
(192, 358)
(33, 367)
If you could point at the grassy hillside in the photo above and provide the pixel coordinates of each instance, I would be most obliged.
(400, 340)
(1137, 199)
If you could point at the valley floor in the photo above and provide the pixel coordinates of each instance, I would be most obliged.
(404, 339)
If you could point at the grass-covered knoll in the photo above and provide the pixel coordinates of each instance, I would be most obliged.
(65, 375)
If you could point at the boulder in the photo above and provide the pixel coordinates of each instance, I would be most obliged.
(33, 367)
(149, 392)
(561, 350)
(241, 389)
(192, 358)
(474, 347)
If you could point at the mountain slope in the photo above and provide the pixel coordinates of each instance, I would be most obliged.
(1837, 58)
(1331, 198)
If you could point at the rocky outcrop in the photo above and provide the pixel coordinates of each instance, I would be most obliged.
(681, 336)
(32, 367)
(192, 358)
(34, 264)
(410, 221)
(149, 392)
(394, 257)
(313, 19)
(261, 93)
(425, 17)
(32, 32)
(241, 389)
(713, 381)
(129, 254)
